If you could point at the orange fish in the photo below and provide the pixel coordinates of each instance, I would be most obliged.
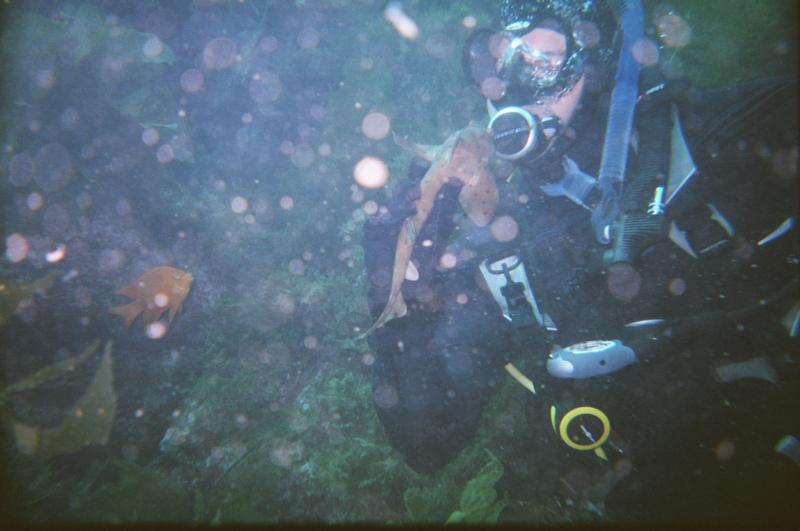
(153, 293)
(463, 159)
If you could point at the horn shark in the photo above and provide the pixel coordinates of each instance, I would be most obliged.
(463, 160)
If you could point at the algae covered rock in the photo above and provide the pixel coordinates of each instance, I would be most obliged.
(134, 494)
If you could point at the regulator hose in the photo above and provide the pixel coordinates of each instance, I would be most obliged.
(620, 122)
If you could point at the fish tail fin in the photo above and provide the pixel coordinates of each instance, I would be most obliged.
(420, 150)
(379, 322)
(128, 312)
(129, 291)
(151, 315)
(394, 309)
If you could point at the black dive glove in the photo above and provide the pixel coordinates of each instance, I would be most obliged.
(379, 240)
(399, 206)
(655, 88)
(402, 205)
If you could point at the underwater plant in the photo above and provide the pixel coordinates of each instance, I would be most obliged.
(87, 422)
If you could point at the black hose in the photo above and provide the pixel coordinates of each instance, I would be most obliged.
(637, 229)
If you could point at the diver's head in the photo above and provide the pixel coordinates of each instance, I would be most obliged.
(541, 56)
(539, 50)
(536, 66)
(546, 46)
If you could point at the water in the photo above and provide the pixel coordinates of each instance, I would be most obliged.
(246, 143)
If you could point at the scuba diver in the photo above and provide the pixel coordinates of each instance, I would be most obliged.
(617, 190)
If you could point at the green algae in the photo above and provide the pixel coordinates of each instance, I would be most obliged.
(74, 33)
(732, 40)
(134, 494)
(478, 503)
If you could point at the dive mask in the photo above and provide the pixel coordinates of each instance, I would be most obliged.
(546, 74)
(529, 67)
(518, 133)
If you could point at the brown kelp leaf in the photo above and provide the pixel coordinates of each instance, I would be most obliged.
(88, 422)
(50, 372)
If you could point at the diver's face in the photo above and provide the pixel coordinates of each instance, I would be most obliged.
(545, 51)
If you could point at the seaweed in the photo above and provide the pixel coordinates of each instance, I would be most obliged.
(48, 373)
(134, 494)
(73, 34)
(88, 422)
(479, 503)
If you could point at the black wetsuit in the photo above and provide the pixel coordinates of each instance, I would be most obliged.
(436, 367)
